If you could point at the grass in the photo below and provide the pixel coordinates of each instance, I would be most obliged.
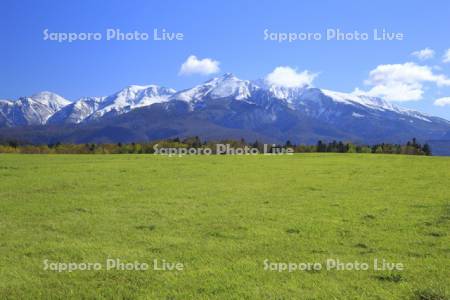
(222, 216)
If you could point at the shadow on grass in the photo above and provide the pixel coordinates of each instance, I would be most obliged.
(150, 227)
(292, 231)
(392, 277)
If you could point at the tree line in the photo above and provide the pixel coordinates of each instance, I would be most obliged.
(410, 148)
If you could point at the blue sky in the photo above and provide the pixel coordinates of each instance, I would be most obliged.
(232, 33)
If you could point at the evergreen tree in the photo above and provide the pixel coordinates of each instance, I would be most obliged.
(321, 147)
(288, 144)
(13, 144)
(426, 149)
(340, 147)
(197, 142)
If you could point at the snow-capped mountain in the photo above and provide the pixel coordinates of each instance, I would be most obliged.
(326, 104)
(76, 112)
(49, 108)
(130, 98)
(218, 88)
(220, 108)
(34, 110)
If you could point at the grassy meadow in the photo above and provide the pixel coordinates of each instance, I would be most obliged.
(222, 217)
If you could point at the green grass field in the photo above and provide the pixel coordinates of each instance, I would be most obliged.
(222, 216)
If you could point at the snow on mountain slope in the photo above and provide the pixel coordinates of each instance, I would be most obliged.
(34, 110)
(5, 110)
(6, 102)
(6, 106)
(371, 102)
(374, 103)
(49, 107)
(321, 102)
(132, 97)
(37, 109)
(267, 103)
(227, 86)
(52, 100)
(287, 94)
(76, 112)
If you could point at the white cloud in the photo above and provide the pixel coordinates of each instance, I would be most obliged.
(442, 101)
(193, 65)
(424, 54)
(402, 82)
(446, 57)
(287, 77)
(398, 91)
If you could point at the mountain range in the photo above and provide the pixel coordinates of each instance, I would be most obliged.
(221, 108)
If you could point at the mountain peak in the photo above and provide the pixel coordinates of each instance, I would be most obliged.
(136, 87)
(229, 76)
(50, 99)
(43, 94)
(225, 86)
(224, 77)
(131, 97)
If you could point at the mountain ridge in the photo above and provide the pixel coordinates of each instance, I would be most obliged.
(222, 104)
